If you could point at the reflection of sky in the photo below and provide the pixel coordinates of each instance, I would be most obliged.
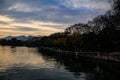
(22, 57)
(42, 17)
(22, 63)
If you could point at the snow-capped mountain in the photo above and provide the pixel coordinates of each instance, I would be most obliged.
(22, 38)
(8, 38)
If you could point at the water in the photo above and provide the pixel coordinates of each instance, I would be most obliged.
(23, 63)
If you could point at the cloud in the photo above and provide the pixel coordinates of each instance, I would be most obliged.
(29, 28)
(22, 28)
(61, 27)
(46, 16)
(5, 19)
(22, 7)
(4, 23)
(89, 4)
(58, 11)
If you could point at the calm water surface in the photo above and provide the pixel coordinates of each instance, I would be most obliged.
(23, 63)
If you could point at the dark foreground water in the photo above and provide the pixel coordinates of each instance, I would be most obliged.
(23, 63)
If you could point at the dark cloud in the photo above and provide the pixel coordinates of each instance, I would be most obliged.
(22, 28)
(2, 3)
(54, 26)
(57, 11)
(1, 22)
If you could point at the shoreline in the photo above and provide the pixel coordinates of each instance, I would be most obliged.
(94, 55)
(107, 56)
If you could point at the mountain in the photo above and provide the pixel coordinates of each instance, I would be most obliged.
(23, 38)
(8, 38)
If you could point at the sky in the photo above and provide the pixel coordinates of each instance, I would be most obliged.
(44, 17)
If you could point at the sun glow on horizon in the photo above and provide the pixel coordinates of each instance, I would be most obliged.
(9, 27)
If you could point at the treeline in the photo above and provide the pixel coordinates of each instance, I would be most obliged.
(15, 42)
(100, 34)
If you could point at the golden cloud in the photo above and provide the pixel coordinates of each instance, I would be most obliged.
(12, 29)
(5, 19)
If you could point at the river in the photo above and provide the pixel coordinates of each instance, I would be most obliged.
(27, 63)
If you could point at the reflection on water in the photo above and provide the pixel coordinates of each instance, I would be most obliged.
(21, 57)
(86, 68)
(23, 63)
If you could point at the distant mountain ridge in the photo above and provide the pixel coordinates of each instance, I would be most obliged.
(22, 38)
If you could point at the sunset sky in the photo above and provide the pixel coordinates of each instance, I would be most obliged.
(43, 17)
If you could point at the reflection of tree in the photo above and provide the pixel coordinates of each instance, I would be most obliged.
(84, 67)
